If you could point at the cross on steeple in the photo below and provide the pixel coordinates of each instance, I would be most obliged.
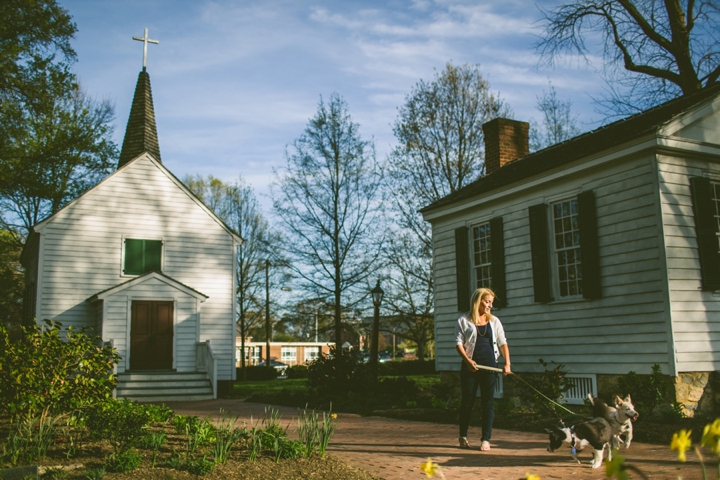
(145, 40)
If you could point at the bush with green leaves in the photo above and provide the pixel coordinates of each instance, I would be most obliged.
(200, 466)
(255, 373)
(297, 371)
(552, 383)
(47, 369)
(123, 423)
(647, 391)
(123, 461)
(339, 374)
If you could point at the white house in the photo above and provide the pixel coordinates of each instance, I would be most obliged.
(141, 260)
(603, 250)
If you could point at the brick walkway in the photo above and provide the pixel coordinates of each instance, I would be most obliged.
(394, 449)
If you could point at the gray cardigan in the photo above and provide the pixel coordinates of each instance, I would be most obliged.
(466, 335)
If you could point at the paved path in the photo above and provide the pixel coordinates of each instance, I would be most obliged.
(394, 449)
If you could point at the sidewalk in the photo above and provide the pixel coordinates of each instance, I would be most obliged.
(394, 449)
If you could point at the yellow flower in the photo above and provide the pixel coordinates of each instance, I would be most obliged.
(430, 468)
(711, 436)
(616, 467)
(532, 476)
(681, 442)
(333, 416)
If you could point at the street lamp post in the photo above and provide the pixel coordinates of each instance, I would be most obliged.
(377, 296)
(268, 332)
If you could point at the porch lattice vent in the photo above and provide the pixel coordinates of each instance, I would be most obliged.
(582, 385)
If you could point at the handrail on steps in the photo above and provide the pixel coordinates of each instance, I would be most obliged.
(207, 361)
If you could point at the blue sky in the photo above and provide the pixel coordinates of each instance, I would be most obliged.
(235, 81)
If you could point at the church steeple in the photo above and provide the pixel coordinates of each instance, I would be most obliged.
(141, 132)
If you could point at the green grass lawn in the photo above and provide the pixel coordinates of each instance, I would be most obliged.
(262, 388)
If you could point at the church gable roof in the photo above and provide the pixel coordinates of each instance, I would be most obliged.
(141, 132)
(612, 135)
(128, 170)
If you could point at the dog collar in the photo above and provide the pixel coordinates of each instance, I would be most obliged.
(573, 440)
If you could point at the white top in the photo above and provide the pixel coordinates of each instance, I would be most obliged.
(466, 335)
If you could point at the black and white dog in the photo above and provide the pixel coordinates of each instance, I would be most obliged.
(595, 432)
(620, 417)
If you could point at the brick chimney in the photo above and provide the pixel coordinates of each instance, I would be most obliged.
(505, 140)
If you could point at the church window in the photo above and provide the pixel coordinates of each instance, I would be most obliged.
(142, 256)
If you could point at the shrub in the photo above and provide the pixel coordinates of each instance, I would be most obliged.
(123, 461)
(42, 371)
(95, 473)
(552, 383)
(121, 422)
(297, 371)
(339, 374)
(647, 391)
(407, 367)
(200, 467)
(255, 373)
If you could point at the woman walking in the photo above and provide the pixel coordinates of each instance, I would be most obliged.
(480, 339)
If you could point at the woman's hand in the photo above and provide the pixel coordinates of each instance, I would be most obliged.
(472, 365)
(506, 369)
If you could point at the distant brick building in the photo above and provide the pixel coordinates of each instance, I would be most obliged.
(292, 353)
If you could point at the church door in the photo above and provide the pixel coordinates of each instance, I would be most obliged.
(151, 336)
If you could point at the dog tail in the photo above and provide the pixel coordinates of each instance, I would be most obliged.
(600, 408)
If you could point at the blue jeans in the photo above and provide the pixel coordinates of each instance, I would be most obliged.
(469, 383)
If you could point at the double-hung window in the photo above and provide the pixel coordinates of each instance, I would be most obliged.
(566, 233)
(565, 250)
(706, 210)
(482, 261)
(311, 353)
(716, 204)
(288, 354)
(142, 256)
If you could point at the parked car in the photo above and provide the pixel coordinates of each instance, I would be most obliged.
(279, 366)
(384, 357)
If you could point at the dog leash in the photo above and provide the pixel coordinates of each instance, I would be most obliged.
(515, 376)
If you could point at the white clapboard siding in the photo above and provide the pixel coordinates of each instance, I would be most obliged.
(587, 337)
(695, 314)
(82, 249)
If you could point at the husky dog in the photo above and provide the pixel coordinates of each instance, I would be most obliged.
(595, 432)
(620, 417)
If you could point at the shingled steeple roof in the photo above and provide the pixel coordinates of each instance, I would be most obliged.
(141, 132)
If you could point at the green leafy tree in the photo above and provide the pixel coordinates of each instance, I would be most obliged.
(54, 155)
(11, 281)
(326, 198)
(651, 50)
(440, 150)
(35, 50)
(46, 371)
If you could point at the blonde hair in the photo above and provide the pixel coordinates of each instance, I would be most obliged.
(477, 297)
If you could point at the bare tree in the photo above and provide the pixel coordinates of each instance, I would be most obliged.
(326, 200)
(235, 203)
(440, 150)
(666, 48)
(558, 122)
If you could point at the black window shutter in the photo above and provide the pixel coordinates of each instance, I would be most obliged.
(589, 250)
(539, 253)
(153, 256)
(706, 231)
(133, 257)
(462, 267)
(497, 254)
